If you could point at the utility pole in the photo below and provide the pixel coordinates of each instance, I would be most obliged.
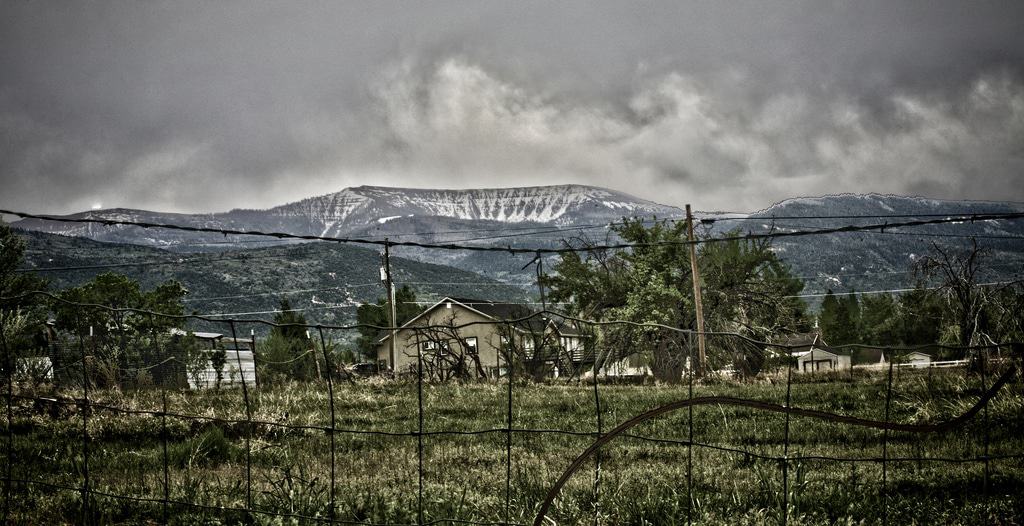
(389, 284)
(701, 355)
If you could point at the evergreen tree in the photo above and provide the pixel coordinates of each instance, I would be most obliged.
(287, 352)
(295, 322)
(30, 310)
(920, 315)
(377, 314)
(828, 317)
(880, 320)
(121, 338)
(850, 316)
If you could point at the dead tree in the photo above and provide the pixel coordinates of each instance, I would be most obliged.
(446, 354)
(957, 275)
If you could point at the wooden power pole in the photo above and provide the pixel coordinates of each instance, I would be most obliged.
(390, 285)
(698, 304)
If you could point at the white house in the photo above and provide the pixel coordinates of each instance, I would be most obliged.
(238, 364)
(816, 360)
(918, 359)
(817, 357)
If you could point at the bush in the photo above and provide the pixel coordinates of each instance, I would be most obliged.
(211, 448)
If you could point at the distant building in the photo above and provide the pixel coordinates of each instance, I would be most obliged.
(817, 360)
(239, 360)
(460, 337)
(918, 359)
(813, 354)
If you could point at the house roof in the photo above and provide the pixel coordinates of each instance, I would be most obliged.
(494, 309)
(498, 311)
(488, 309)
(868, 355)
(816, 352)
(198, 334)
(566, 328)
(802, 343)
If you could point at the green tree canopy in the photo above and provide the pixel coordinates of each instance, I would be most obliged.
(377, 314)
(120, 292)
(31, 311)
(746, 289)
(293, 320)
(288, 353)
(840, 319)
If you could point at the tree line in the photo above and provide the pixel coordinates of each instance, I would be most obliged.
(948, 305)
(747, 289)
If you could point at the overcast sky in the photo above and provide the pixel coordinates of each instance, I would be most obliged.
(208, 106)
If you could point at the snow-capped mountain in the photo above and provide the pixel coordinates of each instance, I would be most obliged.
(549, 216)
(882, 258)
(377, 212)
(562, 205)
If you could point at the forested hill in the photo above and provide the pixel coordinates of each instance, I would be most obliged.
(328, 280)
(882, 259)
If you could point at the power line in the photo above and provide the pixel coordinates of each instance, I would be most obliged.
(303, 309)
(889, 291)
(929, 234)
(282, 292)
(343, 288)
(532, 250)
(178, 261)
(751, 217)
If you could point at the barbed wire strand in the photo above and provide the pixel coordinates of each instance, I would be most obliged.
(88, 406)
(771, 407)
(526, 250)
(543, 314)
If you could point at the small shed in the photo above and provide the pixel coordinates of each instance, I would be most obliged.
(815, 355)
(239, 362)
(816, 360)
(918, 359)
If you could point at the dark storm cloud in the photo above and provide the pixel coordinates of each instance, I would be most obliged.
(205, 106)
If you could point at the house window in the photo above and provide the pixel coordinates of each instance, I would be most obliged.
(438, 347)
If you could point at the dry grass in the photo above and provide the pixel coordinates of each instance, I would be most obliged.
(464, 477)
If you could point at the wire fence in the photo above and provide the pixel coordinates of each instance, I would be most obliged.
(62, 436)
(78, 367)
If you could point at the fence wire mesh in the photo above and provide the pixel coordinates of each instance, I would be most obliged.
(149, 446)
(122, 419)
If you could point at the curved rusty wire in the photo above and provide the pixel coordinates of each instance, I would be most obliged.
(764, 406)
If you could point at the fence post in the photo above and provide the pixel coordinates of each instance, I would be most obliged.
(163, 439)
(330, 395)
(248, 425)
(885, 446)
(696, 292)
(419, 433)
(252, 345)
(85, 431)
(689, 439)
(785, 446)
(984, 388)
(9, 365)
(163, 418)
(597, 457)
(508, 428)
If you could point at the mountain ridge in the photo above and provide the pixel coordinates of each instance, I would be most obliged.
(547, 217)
(341, 213)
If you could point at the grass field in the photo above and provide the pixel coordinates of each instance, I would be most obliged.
(464, 474)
